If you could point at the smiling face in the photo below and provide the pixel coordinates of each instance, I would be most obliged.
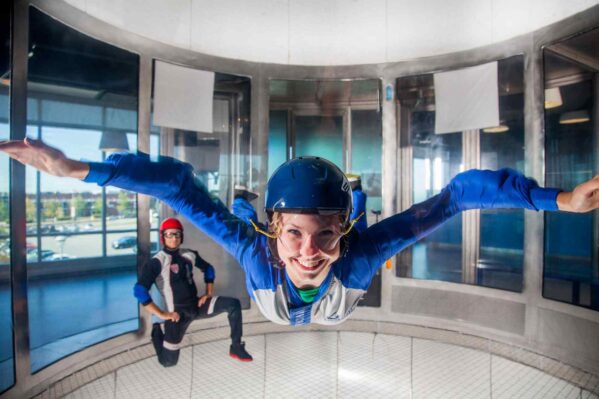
(308, 245)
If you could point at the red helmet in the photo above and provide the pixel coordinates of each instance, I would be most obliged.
(170, 223)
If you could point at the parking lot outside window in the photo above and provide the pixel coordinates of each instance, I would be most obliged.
(81, 238)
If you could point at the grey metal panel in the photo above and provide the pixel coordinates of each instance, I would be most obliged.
(483, 311)
(573, 339)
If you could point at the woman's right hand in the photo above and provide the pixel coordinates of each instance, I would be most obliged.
(44, 158)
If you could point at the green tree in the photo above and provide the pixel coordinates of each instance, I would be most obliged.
(30, 210)
(51, 209)
(97, 207)
(78, 203)
(3, 211)
(123, 205)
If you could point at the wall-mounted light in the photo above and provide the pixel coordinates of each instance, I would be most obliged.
(114, 141)
(553, 98)
(497, 129)
(569, 118)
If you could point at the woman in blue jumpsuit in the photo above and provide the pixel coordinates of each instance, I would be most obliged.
(308, 266)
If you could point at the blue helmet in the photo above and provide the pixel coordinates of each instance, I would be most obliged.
(311, 185)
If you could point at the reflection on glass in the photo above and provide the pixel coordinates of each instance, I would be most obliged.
(502, 231)
(437, 158)
(277, 140)
(7, 372)
(73, 102)
(367, 144)
(571, 269)
(320, 136)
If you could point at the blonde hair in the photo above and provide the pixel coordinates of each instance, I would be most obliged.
(275, 224)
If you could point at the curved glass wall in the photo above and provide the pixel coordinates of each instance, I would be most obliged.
(482, 248)
(571, 269)
(7, 371)
(81, 238)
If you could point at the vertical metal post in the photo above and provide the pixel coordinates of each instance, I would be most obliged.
(347, 136)
(104, 196)
(38, 196)
(18, 126)
(595, 254)
(470, 219)
(404, 181)
(144, 103)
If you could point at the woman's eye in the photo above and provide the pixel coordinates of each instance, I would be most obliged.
(326, 233)
(294, 232)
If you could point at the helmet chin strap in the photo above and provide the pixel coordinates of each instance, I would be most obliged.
(351, 224)
(259, 230)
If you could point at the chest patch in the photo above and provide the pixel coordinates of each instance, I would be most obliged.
(175, 268)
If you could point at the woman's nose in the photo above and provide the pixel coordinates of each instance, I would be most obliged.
(309, 246)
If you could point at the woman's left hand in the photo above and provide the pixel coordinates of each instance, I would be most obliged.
(584, 197)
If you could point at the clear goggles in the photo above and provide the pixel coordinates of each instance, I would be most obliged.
(293, 239)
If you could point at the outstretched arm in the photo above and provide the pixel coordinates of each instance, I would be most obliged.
(475, 189)
(170, 181)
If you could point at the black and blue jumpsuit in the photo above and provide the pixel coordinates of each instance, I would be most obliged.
(172, 272)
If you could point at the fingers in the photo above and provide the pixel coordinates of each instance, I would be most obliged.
(10, 146)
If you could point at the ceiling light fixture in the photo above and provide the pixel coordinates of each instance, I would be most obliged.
(497, 129)
(114, 141)
(553, 98)
(569, 118)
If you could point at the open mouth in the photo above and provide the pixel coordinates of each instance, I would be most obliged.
(309, 266)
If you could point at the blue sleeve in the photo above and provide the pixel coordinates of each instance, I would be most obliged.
(244, 210)
(474, 189)
(142, 294)
(173, 182)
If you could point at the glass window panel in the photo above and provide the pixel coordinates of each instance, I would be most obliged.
(104, 308)
(502, 231)
(77, 100)
(436, 158)
(33, 110)
(366, 142)
(7, 371)
(3, 103)
(124, 243)
(59, 112)
(320, 136)
(277, 140)
(571, 268)
(67, 244)
(121, 209)
(121, 118)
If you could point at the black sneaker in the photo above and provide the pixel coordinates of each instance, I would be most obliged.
(237, 351)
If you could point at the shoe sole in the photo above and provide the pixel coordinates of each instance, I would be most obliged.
(240, 359)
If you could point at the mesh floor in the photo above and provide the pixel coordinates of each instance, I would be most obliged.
(331, 365)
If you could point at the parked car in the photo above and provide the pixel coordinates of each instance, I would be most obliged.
(60, 257)
(124, 242)
(154, 247)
